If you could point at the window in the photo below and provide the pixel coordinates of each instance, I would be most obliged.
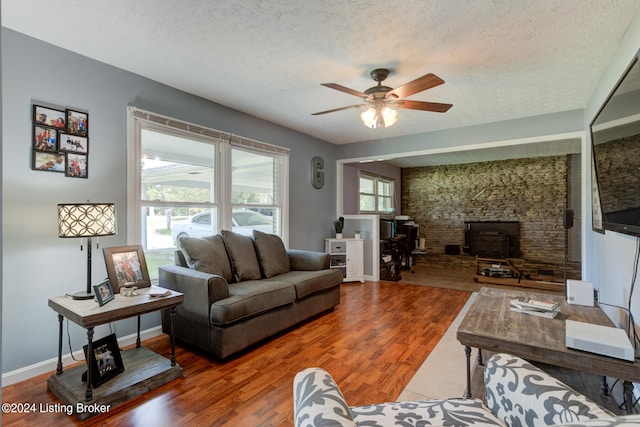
(176, 175)
(376, 194)
(254, 179)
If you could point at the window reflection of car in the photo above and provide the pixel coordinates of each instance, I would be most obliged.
(199, 225)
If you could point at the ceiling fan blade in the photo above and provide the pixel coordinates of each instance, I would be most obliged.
(344, 89)
(339, 109)
(424, 106)
(418, 85)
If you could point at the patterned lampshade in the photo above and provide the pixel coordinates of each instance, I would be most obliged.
(86, 220)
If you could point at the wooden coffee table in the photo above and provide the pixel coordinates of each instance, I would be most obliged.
(491, 325)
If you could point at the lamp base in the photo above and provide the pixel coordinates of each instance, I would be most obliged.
(83, 295)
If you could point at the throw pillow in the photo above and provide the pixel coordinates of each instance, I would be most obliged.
(207, 254)
(272, 254)
(242, 254)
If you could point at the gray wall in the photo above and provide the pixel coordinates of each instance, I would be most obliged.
(38, 264)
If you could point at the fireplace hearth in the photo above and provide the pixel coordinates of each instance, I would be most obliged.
(494, 239)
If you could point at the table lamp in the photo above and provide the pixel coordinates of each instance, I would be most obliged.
(86, 220)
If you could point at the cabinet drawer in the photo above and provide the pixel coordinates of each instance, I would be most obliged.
(338, 260)
(338, 247)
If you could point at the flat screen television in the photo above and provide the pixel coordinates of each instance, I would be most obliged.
(615, 137)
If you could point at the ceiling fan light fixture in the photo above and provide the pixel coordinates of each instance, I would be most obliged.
(370, 117)
(390, 116)
(374, 117)
(379, 100)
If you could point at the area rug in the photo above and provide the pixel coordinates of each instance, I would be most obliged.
(443, 373)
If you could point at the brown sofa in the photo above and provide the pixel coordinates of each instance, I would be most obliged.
(240, 290)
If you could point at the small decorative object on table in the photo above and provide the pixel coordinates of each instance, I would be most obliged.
(338, 226)
(356, 234)
(104, 292)
(129, 289)
(157, 291)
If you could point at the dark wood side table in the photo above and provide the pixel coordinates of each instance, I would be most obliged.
(144, 369)
(491, 325)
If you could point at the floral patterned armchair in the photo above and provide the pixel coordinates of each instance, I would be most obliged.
(518, 394)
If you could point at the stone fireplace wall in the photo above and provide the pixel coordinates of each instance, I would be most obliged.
(532, 191)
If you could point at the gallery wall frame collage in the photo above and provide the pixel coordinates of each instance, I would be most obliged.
(60, 141)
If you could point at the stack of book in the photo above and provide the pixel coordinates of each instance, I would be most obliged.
(535, 307)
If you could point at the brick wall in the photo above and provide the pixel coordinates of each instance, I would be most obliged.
(532, 191)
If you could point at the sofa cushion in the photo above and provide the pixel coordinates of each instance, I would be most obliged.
(310, 282)
(519, 393)
(251, 298)
(448, 412)
(207, 254)
(242, 254)
(272, 255)
(318, 401)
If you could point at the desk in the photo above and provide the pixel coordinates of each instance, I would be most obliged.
(144, 369)
(491, 325)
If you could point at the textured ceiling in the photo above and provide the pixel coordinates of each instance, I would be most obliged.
(500, 59)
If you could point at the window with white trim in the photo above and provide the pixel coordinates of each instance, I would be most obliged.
(376, 194)
(186, 180)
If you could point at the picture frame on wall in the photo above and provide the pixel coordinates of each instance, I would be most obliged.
(73, 143)
(45, 138)
(104, 292)
(49, 117)
(106, 360)
(126, 265)
(77, 122)
(77, 165)
(48, 162)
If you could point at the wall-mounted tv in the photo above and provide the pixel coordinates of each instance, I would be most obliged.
(615, 136)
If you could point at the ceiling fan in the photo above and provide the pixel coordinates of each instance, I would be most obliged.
(381, 100)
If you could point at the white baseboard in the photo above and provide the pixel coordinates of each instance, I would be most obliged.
(51, 364)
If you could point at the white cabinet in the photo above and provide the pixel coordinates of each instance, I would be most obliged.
(348, 256)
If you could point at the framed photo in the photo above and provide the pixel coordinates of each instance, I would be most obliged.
(77, 165)
(77, 122)
(106, 361)
(45, 138)
(49, 117)
(48, 162)
(104, 292)
(73, 143)
(126, 265)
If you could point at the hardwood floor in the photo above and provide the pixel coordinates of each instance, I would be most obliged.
(372, 344)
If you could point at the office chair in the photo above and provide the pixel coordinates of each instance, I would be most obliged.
(407, 245)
